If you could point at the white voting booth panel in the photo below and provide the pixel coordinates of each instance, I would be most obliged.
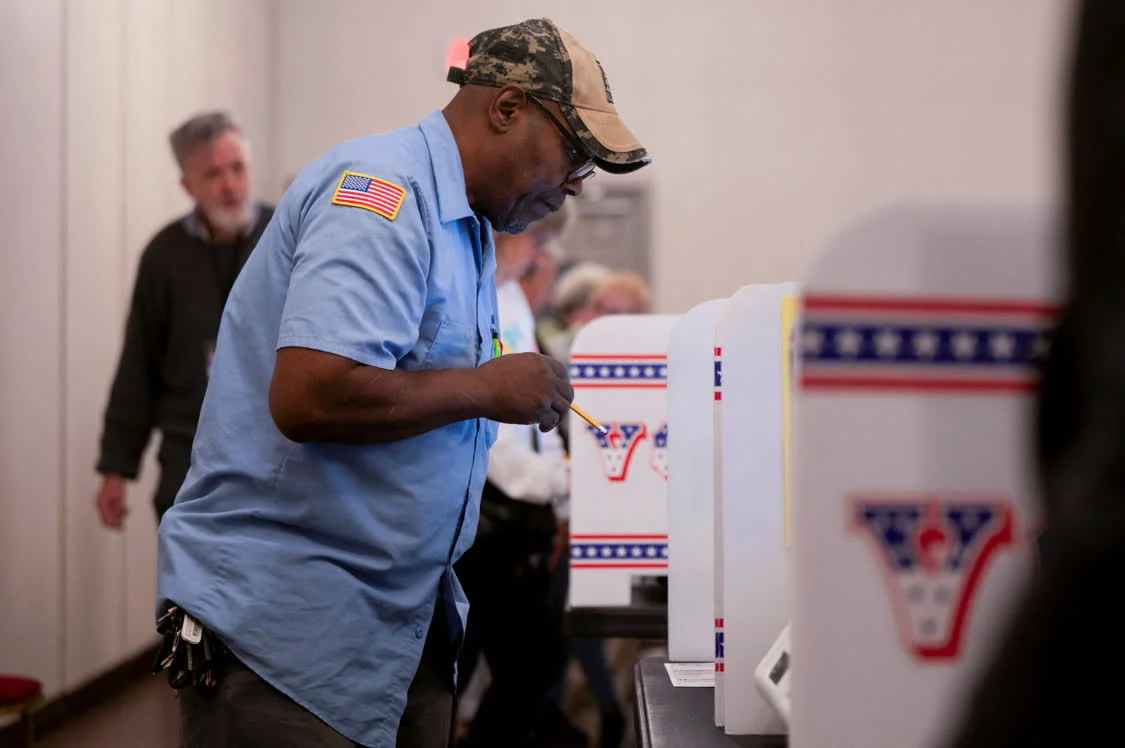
(914, 512)
(619, 480)
(691, 486)
(755, 578)
(717, 512)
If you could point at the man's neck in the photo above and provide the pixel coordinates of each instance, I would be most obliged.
(454, 118)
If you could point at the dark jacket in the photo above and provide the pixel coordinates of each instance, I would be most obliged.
(178, 297)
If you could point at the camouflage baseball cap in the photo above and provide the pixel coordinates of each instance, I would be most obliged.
(549, 63)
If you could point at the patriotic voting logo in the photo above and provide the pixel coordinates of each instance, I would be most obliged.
(660, 451)
(934, 552)
(617, 447)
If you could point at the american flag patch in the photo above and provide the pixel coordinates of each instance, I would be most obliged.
(371, 193)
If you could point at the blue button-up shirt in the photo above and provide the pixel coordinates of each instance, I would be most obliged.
(320, 564)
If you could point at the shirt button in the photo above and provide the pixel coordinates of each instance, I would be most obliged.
(419, 632)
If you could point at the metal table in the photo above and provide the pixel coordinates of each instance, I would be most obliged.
(670, 717)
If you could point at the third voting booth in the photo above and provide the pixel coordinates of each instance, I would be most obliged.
(752, 531)
(914, 513)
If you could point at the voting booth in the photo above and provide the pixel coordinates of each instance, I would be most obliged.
(692, 380)
(752, 523)
(914, 512)
(717, 532)
(619, 479)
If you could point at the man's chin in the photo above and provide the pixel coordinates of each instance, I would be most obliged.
(513, 228)
(520, 223)
(230, 221)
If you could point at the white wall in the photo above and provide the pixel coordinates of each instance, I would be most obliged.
(31, 420)
(90, 92)
(771, 122)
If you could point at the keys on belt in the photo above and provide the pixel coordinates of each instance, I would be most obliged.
(192, 655)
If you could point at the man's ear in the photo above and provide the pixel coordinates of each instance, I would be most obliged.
(506, 107)
(184, 184)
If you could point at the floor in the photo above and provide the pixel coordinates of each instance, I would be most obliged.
(147, 715)
(144, 716)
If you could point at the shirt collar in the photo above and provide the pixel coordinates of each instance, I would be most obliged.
(197, 227)
(449, 172)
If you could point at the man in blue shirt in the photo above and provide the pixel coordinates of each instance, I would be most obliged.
(354, 395)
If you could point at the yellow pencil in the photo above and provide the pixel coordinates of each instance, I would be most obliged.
(588, 418)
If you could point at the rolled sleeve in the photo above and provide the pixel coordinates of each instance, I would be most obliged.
(358, 284)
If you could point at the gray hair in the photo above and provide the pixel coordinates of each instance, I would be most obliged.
(199, 130)
(577, 287)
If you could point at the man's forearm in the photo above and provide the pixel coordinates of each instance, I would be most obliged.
(122, 446)
(369, 405)
(128, 423)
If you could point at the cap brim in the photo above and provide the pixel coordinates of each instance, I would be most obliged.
(613, 145)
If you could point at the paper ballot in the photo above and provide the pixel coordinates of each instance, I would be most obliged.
(691, 674)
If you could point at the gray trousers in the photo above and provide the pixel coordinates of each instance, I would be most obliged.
(245, 711)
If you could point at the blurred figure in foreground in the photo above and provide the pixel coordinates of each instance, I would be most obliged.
(1030, 694)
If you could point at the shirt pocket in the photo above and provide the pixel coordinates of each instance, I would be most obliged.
(453, 344)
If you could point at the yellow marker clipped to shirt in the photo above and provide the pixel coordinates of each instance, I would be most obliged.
(498, 350)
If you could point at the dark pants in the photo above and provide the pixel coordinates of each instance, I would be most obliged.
(247, 712)
(588, 651)
(512, 625)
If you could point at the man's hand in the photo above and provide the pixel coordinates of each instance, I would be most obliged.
(111, 502)
(528, 388)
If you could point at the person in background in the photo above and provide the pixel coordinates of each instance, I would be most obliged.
(572, 306)
(618, 292)
(182, 282)
(623, 292)
(521, 533)
(538, 284)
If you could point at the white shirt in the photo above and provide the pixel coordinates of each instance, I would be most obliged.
(515, 465)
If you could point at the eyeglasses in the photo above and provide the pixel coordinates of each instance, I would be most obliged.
(574, 149)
